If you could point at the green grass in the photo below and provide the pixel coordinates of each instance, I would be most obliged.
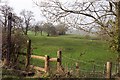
(72, 47)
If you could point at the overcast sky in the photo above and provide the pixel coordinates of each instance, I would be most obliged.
(19, 5)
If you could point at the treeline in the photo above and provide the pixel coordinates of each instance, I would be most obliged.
(24, 22)
(50, 29)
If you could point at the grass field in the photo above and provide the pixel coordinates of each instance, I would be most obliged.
(72, 47)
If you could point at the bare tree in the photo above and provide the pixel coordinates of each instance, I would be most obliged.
(97, 15)
(49, 29)
(41, 28)
(87, 16)
(27, 16)
(38, 27)
(5, 9)
(61, 28)
(81, 15)
(17, 21)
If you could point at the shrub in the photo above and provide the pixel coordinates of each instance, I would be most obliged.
(18, 44)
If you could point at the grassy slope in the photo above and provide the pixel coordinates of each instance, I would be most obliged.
(72, 47)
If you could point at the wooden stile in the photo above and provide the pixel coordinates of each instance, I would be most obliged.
(47, 59)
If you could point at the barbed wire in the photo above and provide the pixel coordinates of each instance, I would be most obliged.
(81, 61)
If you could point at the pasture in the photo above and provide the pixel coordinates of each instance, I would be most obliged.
(75, 48)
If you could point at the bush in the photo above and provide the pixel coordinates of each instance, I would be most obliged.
(87, 37)
(18, 44)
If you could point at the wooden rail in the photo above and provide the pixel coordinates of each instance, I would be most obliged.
(53, 59)
(47, 59)
(43, 58)
(38, 57)
(37, 68)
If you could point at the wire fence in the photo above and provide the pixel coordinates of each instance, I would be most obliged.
(89, 68)
(81, 68)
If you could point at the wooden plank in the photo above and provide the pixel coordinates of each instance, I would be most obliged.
(53, 59)
(38, 57)
(37, 68)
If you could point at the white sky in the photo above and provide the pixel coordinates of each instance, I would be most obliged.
(19, 5)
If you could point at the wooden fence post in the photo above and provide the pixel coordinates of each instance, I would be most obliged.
(94, 67)
(46, 63)
(118, 65)
(28, 53)
(104, 71)
(59, 61)
(7, 60)
(108, 70)
(77, 68)
(116, 68)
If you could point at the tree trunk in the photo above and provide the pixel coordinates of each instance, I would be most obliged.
(41, 32)
(5, 25)
(26, 29)
(35, 33)
(118, 25)
(48, 34)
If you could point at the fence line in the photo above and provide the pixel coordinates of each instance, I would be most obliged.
(81, 61)
(107, 71)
